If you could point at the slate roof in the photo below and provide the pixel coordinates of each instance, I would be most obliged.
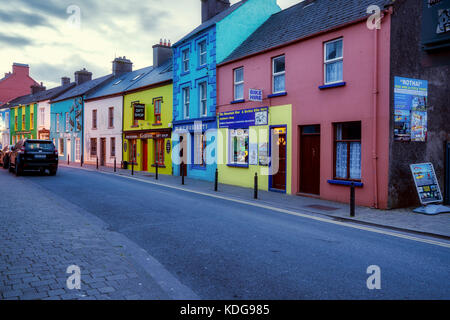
(125, 82)
(301, 20)
(208, 23)
(83, 88)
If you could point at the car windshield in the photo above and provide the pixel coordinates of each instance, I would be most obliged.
(36, 146)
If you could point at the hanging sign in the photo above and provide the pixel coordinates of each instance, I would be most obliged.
(139, 112)
(426, 183)
(410, 109)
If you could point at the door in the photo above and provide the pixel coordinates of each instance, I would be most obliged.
(310, 159)
(69, 150)
(144, 155)
(102, 151)
(279, 178)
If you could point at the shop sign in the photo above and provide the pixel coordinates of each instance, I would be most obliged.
(435, 24)
(168, 146)
(255, 95)
(196, 126)
(139, 112)
(410, 109)
(244, 118)
(147, 135)
(426, 183)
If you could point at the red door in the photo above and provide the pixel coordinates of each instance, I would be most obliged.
(144, 155)
(310, 159)
(279, 178)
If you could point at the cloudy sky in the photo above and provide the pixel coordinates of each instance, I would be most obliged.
(45, 33)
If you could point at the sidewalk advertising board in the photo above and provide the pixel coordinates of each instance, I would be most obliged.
(410, 109)
(426, 183)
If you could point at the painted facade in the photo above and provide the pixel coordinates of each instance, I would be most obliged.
(4, 127)
(16, 83)
(23, 122)
(194, 93)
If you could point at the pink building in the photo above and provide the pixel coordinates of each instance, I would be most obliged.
(16, 83)
(326, 81)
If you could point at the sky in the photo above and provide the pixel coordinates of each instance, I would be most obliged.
(49, 37)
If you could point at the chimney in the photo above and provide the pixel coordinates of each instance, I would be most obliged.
(35, 88)
(82, 76)
(65, 81)
(21, 69)
(121, 65)
(211, 8)
(161, 53)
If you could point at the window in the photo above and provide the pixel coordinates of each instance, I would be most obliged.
(42, 117)
(186, 99)
(23, 121)
(159, 152)
(185, 57)
(77, 149)
(203, 98)
(333, 61)
(239, 84)
(238, 147)
(31, 120)
(111, 117)
(57, 122)
(202, 53)
(199, 147)
(93, 147)
(138, 113)
(278, 75)
(132, 153)
(61, 147)
(67, 121)
(158, 110)
(94, 119)
(347, 150)
(7, 120)
(113, 147)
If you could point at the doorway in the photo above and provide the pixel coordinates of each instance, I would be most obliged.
(69, 150)
(144, 155)
(310, 159)
(278, 180)
(102, 151)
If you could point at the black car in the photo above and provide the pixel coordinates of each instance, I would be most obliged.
(4, 156)
(34, 155)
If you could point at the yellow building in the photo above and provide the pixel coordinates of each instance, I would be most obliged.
(147, 118)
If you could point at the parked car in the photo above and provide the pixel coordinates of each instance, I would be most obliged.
(4, 156)
(34, 155)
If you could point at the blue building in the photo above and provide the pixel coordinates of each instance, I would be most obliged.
(67, 110)
(4, 126)
(195, 57)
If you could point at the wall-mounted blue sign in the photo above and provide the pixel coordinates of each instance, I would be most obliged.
(244, 118)
(255, 95)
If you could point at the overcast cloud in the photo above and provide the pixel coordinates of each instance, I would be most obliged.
(37, 33)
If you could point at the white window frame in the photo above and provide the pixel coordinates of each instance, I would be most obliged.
(77, 149)
(110, 117)
(7, 120)
(238, 83)
(203, 97)
(274, 74)
(42, 117)
(326, 62)
(67, 122)
(94, 123)
(202, 54)
(57, 123)
(185, 60)
(186, 102)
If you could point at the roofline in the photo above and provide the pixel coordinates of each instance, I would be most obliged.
(118, 94)
(181, 42)
(109, 77)
(298, 40)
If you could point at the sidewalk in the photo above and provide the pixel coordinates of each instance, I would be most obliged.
(398, 219)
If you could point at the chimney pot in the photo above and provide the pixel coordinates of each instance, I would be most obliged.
(211, 8)
(161, 53)
(82, 76)
(122, 65)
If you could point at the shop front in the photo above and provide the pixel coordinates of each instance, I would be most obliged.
(255, 141)
(148, 149)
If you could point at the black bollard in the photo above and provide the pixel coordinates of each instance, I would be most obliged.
(97, 163)
(352, 199)
(114, 164)
(68, 159)
(216, 179)
(182, 174)
(255, 195)
(156, 171)
(132, 167)
(81, 160)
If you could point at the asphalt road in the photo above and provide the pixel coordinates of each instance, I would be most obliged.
(226, 250)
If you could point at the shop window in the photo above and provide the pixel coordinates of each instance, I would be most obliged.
(239, 83)
(159, 152)
(199, 148)
(61, 147)
(347, 150)
(333, 61)
(203, 98)
(111, 117)
(278, 75)
(239, 141)
(186, 98)
(112, 147)
(93, 147)
(202, 53)
(185, 57)
(94, 119)
(157, 104)
(133, 151)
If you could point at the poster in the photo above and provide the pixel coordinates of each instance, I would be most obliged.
(245, 118)
(410, 109)
(253, 154)
(426, 183)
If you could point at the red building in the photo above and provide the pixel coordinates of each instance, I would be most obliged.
(16, 83)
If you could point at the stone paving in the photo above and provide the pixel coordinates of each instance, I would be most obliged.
(40, 236)
(404, 219)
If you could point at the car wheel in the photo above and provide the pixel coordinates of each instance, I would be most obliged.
(53, 171)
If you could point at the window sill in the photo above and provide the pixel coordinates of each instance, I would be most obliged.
(347, 183)
(157, 124)
(202, 67)
(184, 73)
(279, 94)
(333, 85)
(237, 101)
(237, 165)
